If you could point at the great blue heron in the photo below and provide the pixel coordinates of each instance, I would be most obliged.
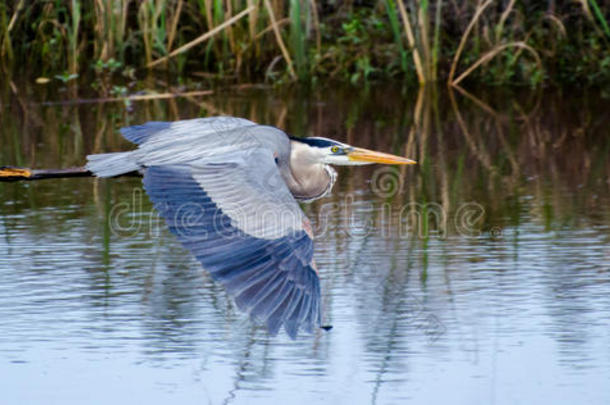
(228, 189)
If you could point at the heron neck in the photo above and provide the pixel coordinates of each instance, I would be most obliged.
(308, 180)
(310, 184)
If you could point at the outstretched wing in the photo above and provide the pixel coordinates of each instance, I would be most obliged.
(172, 131)
(238, 218)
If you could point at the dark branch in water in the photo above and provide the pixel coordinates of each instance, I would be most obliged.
(10, 173)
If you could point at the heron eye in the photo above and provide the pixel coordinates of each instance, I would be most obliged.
(334, 149)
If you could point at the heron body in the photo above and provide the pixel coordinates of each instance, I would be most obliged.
(228, 189)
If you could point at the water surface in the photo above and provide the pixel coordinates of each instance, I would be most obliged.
(481, 275)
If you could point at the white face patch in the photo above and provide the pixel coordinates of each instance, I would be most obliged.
(331, 157)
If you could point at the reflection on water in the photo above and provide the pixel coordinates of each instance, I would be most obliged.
(492, 288)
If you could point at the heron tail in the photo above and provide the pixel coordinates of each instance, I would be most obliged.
(111, 164)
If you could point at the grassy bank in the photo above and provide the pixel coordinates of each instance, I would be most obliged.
(497, 42)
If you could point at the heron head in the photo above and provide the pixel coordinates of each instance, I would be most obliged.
(329, 151)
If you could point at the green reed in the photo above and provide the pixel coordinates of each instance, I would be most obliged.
(152, 24)
(297, 38)
(437, 39)
(109, 33)
(73, 36)
(600, 17)
(6, 49)
(394, 24)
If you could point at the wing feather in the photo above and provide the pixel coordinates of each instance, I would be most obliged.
(215, 182)
(159, 131)
(269, 273)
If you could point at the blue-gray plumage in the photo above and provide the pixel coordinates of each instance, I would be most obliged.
(228, 189)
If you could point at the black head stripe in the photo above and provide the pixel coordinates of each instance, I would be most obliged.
(317, 142)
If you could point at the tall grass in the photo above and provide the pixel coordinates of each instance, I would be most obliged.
(600, 17)
(393, 17)
(110, 28)
(73, 35)
(6, 26)
(153, 28)
(300, 39)
(297, 37)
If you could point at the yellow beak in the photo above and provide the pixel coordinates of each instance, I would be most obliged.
(371, 156)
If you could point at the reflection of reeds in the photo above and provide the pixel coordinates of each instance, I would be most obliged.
(470, 148)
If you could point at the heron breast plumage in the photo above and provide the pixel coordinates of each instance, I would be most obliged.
(306, 178)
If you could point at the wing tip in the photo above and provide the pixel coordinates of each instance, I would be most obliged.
(297, 309)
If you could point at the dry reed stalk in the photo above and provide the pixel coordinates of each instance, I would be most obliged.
(279, 40)
(436, 41)
(503, 19)
(124, 13)
(411, 38)
(208, 13)
(5, 38)
(490, 54)
(174, 26)
(98, 28)
(316, 24)
(553, 18)
(585, 8)
(280, 23)
(460, 48)
(109, 28)
(73, 39)
(11, 23)
(143, 21)
(229, 14)
(203, 37)
(252, 26)
(423, 29)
